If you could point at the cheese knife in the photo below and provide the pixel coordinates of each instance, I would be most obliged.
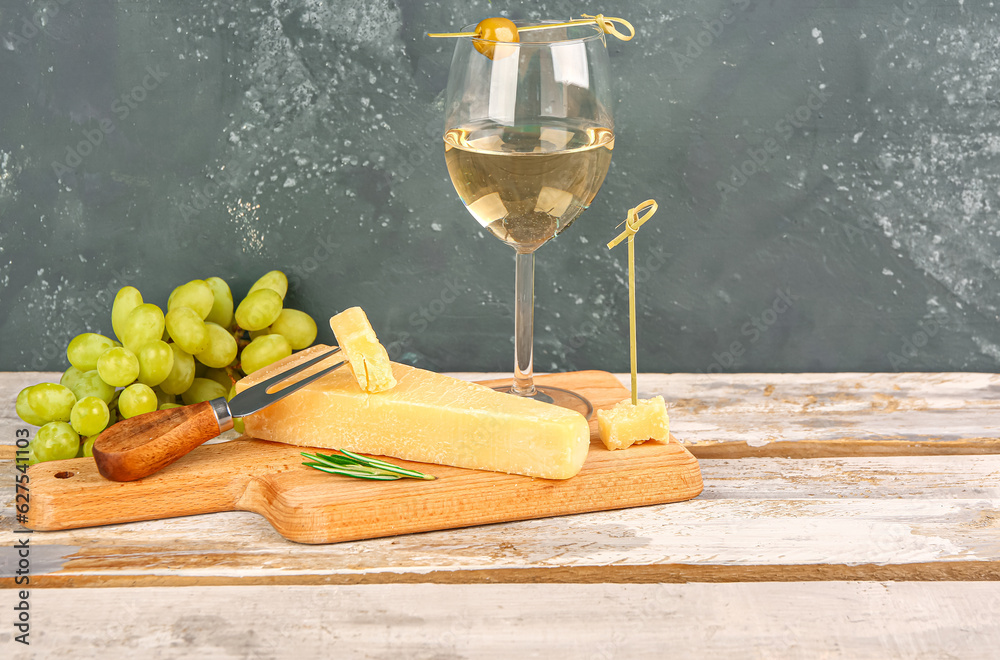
(139, 446)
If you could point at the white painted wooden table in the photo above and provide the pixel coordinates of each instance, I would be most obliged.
(844, 515)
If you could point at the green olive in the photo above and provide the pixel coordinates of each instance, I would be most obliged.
(492, 30)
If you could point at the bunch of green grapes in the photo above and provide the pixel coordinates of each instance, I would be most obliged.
(195, 352)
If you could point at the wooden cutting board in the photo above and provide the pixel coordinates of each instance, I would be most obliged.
(308, 506)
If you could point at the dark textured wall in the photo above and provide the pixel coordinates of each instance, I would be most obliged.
(306, 135)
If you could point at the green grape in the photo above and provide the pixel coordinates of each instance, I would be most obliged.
(295, 326)
(203, 389)
(258, 310)
(127, 299)
(221, 349)
(162, 397)
(169, 406)
(238, 425)
(51, 402)
(199, 368)
(71, 377)
(24, 410)
(55, 441)
(181, 374)
(143, 325)
(187, 329)
(90, 384)
(90, 416)
(260, 333)
(196, 294)
(263, 351)
(275, 280)
(118, 366)
(155, 362)
(137, 399)
(222, 307)
(87, 448)
(84, 350)
(220, 376)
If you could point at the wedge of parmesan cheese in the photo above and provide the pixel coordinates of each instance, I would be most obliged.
(369, 360)
(426, 417)
(625, 425)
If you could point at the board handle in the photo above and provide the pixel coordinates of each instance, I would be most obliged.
(139, 446)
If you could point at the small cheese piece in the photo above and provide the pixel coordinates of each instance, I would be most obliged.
(426, 417)
(626, 425)
(367, 356)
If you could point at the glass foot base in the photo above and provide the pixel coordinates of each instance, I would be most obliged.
(558, 396)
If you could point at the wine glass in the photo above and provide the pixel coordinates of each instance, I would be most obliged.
(528, 141)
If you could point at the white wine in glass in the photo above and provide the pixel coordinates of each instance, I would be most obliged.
(528, 142)
(527, 184)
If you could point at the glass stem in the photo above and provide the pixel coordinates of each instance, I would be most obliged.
(524, 319)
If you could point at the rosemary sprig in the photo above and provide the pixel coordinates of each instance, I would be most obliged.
(349, 464)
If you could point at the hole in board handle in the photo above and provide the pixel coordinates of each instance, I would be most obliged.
(64, 475)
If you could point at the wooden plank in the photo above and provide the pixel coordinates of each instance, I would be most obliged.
(758, 520)
(786, 415)
(911, 477)
(847, 414)
(685, 621)
(914, 522)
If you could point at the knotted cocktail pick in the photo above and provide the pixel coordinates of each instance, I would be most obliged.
(634, 422)
(632, 224)
(606, 23)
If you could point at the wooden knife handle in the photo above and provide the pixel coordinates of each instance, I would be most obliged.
(139, 446)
